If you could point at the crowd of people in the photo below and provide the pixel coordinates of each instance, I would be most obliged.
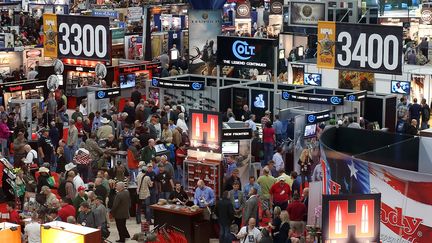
(412, 117)
(78, 179)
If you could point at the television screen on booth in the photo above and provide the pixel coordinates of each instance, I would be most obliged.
(127, 81)
(400, 87)
(230, 147)
(313, 79)
(310, 130)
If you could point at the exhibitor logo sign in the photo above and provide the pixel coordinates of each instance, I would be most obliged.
(351, 216)
(246, 52)
(243, 11)
(426, 16)
(242, 50)
(276, 7)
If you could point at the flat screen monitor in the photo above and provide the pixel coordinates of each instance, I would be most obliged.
(310, 131)
(127, 80)
(230, 147)
(160, 148)
(400, 87)
(313, 79)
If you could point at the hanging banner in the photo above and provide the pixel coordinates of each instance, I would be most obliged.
(77, 36)
(351, 216)
(204, 27)
(246, 52)
(361, 47)
(276, 7)
(50, 35)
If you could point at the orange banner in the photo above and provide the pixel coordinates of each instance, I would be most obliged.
(326, 44)
(50, 35)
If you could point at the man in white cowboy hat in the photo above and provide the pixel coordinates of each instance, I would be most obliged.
(105, 130)
(71, 171)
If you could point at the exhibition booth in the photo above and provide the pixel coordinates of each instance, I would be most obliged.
(396, 166)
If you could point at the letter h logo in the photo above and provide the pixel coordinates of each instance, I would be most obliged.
(205, 127)
(340, 218)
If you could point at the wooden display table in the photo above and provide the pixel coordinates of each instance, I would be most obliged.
(10, 233)
(57, 231)
(184, 219)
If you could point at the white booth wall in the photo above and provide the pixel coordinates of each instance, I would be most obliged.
(330, 78)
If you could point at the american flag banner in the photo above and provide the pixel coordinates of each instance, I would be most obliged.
(406, 201)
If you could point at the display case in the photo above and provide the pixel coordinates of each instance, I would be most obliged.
(211, 172)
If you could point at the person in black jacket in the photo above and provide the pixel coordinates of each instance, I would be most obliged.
(225, 213)
(136, 96)
(43, 179)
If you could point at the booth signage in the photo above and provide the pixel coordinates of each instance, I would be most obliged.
(22, 86)
(77, 36)
(351, 216)
(243, 10)
(105, 13)
(134, 14)
(107, 93)
(358, 96)
(306, 14)
(50, 35)
(313, 98)
(236, 134)
(131, 69)
(246, 52)
(369, 48)
(205, 129)
(318, 117)
(276, 7)
(163, 83)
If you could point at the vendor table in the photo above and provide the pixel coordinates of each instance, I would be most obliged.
(184, 219)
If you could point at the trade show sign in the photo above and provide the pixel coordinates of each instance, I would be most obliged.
(77, 36)
(205, 130)
(313, 98)
(177, 84)
(276, 7)
(107, 93)
(361, 47)
(317, 117)
(306, 13)
(246, 52)
(351, 216)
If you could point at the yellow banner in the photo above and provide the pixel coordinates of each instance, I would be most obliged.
(50, 35)
(326, 44)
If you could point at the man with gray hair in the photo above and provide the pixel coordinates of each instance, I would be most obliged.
(120, 210)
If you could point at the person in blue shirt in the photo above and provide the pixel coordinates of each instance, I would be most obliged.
(97, 122)
(248, 186)
(278, 127)
(204, 195)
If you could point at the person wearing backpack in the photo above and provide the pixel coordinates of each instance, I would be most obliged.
(67, 188)
(425, 114)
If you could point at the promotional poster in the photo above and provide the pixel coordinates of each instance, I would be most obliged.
(204, 27)
(205, 130)
(417, 86)
(351, 216)
(246, 52)
(297, 73)
(307, 14)
(133, 47)
(356, 80)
